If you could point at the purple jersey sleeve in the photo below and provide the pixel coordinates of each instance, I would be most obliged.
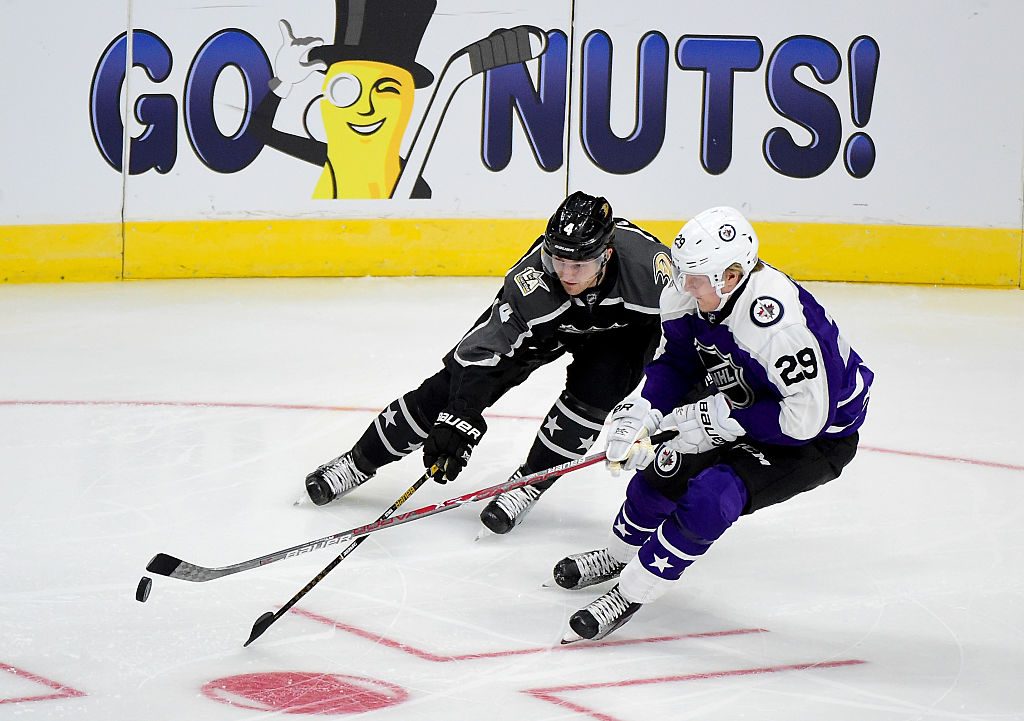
(674, 373)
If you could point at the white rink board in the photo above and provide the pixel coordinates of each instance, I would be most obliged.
(946, 120)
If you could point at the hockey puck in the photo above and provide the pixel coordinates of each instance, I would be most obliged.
(145, 586)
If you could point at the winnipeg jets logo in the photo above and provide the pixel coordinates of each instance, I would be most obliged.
(529, 280)
(662, 269)
(727, 233)
(667, 461)
(725, 374)
(766, 311)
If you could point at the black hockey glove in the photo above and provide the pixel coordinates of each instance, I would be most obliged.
(451, 442)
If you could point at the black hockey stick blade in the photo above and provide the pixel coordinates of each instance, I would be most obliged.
(163, 565)
(262, 624)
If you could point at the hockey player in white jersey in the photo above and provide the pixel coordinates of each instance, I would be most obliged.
(589, 287)
(767, 398)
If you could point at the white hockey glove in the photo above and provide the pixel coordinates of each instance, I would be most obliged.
(702, 426)
(292, 64)
(632, 420)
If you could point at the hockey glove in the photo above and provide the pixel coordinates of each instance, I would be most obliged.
(450, 443)
(632, 420)
(702, 426)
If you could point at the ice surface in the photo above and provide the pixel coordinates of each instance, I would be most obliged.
(182, 417)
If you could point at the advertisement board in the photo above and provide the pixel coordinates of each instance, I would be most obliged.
(872, 141)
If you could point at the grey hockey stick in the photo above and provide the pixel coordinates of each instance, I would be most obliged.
(163, 564)
(504, 47)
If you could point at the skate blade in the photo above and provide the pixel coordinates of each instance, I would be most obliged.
(571, 637)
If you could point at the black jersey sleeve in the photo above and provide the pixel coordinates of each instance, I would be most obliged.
(521, 320)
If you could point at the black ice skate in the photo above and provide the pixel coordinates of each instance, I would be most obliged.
(587, 569)
(601, 617)
(508, 510)
(334, 479)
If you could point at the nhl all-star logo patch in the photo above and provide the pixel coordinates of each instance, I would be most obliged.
(766, 311)
(725, 374)
(530, 280)
(667, 462)
(727, 233)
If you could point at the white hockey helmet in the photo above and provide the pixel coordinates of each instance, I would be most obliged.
(711, 242)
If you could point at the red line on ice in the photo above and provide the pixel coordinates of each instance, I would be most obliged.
(503, 416)
(62, 691)
(438, 658)
(551, 694)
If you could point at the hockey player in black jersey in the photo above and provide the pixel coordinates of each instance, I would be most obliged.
(589, 287)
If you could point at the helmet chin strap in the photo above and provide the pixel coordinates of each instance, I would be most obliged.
(723, 298)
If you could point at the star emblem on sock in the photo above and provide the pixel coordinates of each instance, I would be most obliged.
(661, 564)
(552, 425)
(389, 416)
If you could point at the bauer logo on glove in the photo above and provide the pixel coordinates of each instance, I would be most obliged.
(702, 426)
(460, 425)
(450, 443)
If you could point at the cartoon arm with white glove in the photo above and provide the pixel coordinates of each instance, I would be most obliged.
(292, 64)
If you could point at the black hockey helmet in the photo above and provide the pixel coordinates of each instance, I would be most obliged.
(581, 228)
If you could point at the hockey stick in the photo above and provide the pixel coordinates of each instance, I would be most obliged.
(504, 47)
(267, 619)
(163, 564)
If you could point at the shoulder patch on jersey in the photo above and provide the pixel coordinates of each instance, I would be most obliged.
(766, 311)
(667, 462)
(662, 269)
(529, 280)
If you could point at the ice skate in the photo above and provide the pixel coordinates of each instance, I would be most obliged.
(600, 617)
(509, 509)
(587, 569)
(334, 479)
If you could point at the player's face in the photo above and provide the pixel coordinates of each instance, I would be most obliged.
(699, 286)
(577, 276)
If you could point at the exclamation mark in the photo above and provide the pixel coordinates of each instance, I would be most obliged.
(859, 154)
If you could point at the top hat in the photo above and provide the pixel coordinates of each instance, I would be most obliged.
(387, 31)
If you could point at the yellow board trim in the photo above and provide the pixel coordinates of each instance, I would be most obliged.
(302, 248)
(476, 247)
(52, 253)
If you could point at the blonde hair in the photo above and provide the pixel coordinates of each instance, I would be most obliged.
(739, 268)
